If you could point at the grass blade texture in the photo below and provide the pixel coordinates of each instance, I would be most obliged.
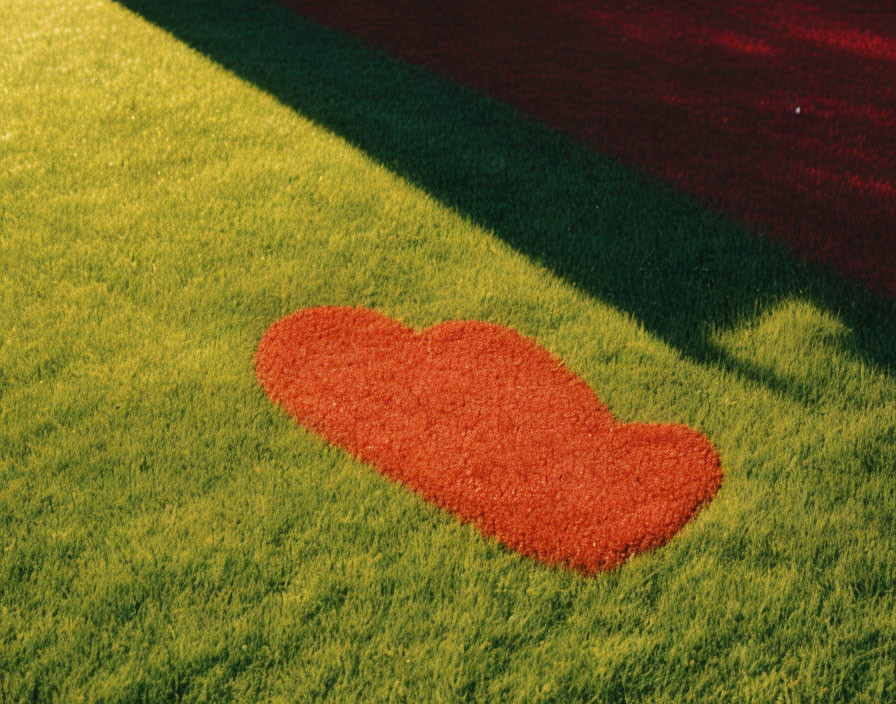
(175, 176)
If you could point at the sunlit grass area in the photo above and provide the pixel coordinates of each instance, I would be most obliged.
(175, 176)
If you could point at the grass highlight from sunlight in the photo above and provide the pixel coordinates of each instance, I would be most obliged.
(172, 185)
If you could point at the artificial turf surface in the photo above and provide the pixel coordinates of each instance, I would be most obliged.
(487, 424)
(781, 113)
(176, 176)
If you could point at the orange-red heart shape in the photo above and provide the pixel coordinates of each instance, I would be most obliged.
(487, 424)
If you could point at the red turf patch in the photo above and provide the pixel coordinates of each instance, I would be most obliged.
(486, 423)
(782, 113)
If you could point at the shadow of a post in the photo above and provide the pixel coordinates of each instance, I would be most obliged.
(680, 269)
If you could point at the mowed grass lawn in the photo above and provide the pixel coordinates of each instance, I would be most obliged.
(175, 176)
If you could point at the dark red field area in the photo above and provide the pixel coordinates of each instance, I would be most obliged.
(781, 114)
(485, 423)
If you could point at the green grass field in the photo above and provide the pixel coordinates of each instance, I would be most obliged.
(175, 176)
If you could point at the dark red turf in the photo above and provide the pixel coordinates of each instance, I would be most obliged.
(781, 113)
(487, 424)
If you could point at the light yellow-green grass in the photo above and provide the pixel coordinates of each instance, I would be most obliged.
(175, 176)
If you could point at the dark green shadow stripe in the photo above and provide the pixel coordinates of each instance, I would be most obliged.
(678, 268)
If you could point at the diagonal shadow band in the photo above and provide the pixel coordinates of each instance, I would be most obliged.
(680, 269)
(779, 115)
